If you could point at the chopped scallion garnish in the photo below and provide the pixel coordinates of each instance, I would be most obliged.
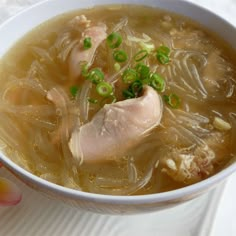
(163, 59)
(133, 90)
(114, 40)
(142, 70)
(74, 90)
(84, 69)
(164, 50)
(129, 76)
(128, 94)
(104, 89)
(172, 100)
(95, 76)
(120, 56)
(162, 55)
(136, 87)
(140, 55)
(87, 43)
(157, 82)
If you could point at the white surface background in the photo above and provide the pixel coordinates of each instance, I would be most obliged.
(40, 216)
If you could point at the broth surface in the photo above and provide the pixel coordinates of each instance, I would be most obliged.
(193, 141)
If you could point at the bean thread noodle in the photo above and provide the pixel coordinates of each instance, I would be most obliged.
(38, 113)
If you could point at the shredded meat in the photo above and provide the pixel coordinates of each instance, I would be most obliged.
(80, 21)
(191, 166)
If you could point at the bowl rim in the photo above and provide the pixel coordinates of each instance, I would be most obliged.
(117, 199)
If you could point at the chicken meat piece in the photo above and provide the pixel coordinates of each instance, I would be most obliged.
(116, 127)
(79, 55)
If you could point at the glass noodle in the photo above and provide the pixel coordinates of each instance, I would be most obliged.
(38, 112)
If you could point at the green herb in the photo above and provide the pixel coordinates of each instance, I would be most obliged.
(136, 87)
(128, 94)
(73, 90)
(87, 43)
(157, 82)
(120, 56)
(140, 55)
(114, 40)
(84, 69)
(164, 50)
(142, 70)
(104, 89)
(172, 100)
(162, 55)
(129, 76)
(95, 76)
(163, 59)
(133, 90)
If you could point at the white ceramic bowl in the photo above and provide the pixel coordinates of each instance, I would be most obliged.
(16, 27)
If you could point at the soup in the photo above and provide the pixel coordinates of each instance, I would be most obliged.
(105, 101)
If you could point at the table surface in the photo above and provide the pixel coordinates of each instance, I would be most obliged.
(213, 214)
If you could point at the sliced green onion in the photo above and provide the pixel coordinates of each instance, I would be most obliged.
(157, 82)
(104, 89)
(92, 100)
(84, 69)
(120, 56)
(95, 76)
(117, 66)
(87, 43)
(163, 50)
(140, 55)
(162, 58)
(129, 76)
(114, 40)
(172, 100)
(136, 87)
(143, 71)
(162, 55)
(133, 90)
(146, 81)
(74, 90)
(128, 94)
